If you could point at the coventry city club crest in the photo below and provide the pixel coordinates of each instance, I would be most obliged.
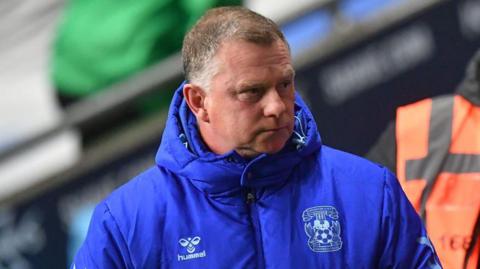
(322, 228)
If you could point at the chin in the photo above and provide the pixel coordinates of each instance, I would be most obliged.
(272, 144)
(274, 148)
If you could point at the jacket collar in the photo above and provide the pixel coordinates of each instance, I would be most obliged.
(183, 152)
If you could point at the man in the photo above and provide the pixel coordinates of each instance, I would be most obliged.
(242, 179)
(434, 146)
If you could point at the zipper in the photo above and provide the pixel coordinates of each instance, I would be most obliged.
(250, 197)
(250, 200)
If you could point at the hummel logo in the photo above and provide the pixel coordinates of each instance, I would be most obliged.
(190, 244)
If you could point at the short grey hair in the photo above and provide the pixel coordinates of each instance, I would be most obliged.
(216, 26)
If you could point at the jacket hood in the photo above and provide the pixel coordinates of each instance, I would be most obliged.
(470, 86)
(183, 152)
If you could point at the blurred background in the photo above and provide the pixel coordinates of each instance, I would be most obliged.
(85, 86)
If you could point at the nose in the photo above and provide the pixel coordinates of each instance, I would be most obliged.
(274, 105)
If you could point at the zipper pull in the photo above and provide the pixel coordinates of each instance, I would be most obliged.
(250, 197)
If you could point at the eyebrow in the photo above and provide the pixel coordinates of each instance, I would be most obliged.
(250, 85)
(288, 73)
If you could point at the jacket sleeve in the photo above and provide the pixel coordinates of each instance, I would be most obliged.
(405, 240)
(104, 246)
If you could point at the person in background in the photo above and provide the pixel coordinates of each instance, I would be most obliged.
(434, 147)
(100, 42)
(242, 179)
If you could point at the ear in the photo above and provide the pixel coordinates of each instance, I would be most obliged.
(195, 98)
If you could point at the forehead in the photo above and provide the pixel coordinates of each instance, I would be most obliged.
(244, 58)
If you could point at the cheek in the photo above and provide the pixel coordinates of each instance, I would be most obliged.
(227, 123)
(236, 122)
(242, 127)
(290, 108)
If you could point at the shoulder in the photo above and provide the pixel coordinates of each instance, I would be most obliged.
(142, 198)
(145, 183)
(343, 164)
(357, 176)
(127, 226)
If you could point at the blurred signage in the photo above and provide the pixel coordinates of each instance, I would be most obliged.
(46, 231)
(354, 92)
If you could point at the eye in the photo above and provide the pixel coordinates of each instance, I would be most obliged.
(250, 94)
(285, 86)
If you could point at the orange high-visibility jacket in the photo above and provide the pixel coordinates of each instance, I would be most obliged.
(438, 165)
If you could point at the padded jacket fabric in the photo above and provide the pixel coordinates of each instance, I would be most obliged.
(308, 206)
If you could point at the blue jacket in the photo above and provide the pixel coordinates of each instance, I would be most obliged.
(308, 206)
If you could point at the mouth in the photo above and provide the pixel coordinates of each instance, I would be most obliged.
(275, 130)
